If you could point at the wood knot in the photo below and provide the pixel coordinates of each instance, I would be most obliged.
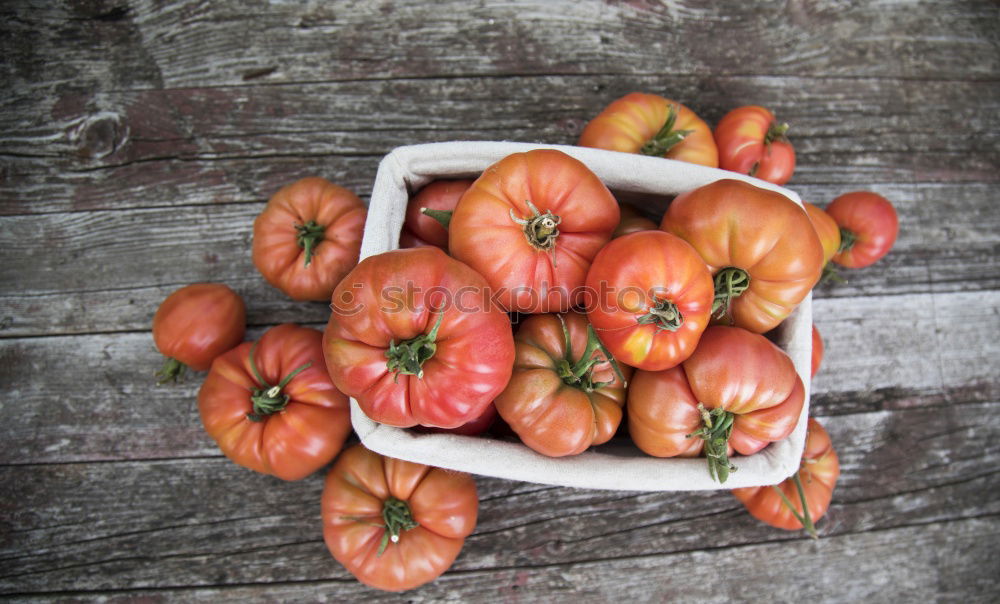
(99, 135)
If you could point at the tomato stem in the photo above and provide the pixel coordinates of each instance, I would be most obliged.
(398, 518)
(805, 518)
(541, 230)
(775, 132)
(847, 240)
(408, 356)
(269, 399)
(666, 137)
(830, 273)
(664, 314)
(717, 427)
(308, 237)
(172, 371)
(730, 282)
(580, 373)
(442, 216)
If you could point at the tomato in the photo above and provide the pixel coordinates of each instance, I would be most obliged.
(440, 197)
(271, 406)
(531, 224)
(781, 505)
(475, 427)
(414, 339)
(564, 395)
(308, 237)
(194, 325)
(760, 246)
(652, 125)
(632, 221)
(826, 229)
(868, 228)
(394, 524)
(752, 142)
(654, 299)
(736, 393)
(817, 350)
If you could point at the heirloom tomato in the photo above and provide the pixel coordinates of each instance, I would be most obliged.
(395, 524)
(817, 350)
(565, 394)
(632, 221)
(781, 505)
(826, 229)
(271, 406)
(868, 228)
(427, 209)
(531, 224)
(195, 324)
(652, 125)
(736, 393)
(760, 246)
(751, 142)
(415, 339)
(654, 299)
(308, 237)
(475, 427)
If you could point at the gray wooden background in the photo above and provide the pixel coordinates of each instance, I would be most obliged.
(138, 140)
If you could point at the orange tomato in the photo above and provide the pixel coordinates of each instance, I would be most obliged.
(826, 229)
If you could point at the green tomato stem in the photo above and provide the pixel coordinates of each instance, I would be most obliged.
(172, 371)
(409, 356)
(308, 237)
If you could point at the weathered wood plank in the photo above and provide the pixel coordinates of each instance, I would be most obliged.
(207, 522)
(100, 150)
(189, 44)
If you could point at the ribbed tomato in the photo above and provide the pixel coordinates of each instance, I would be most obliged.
(752, 142)
(737, 392)
(438, 197)
(652, 125)
(632, 221)
(194, 325)
(868, 228)
(781, 505)
(564, 396)
(531, 224)
(653, 299)
(760, 246)
(271, 406)
(826, 229)
(415, 340)
(308, 237)
(393, 524)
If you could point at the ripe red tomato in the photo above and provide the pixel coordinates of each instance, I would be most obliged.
(868, 228)
(421, 229)
(737, 392)
(751, 142)
(194, 325)
(826, 229)
(475, 427)
(415, 341)
(531, 224)
(308, 237)
(817, 350)
(781, 505)
(394, 524)
(760, 246)
(271, 406)
(654, 299)
(632, 221)
(564, 395)
(652, 125)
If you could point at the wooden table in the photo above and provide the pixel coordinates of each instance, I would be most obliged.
(140, 139)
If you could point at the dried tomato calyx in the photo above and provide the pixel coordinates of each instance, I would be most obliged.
(666, 137)
(172, 371)
(775, 132)
(730, 282)
(397, 517)
(268, 399)
(847, 240)
(580, 373)
(409, 356)
(442, 216)
(805, 518)
(308, 237)
(540, 229)
(664, 314)
(717, 427)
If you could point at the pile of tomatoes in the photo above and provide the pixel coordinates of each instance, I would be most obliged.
(528, 303)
